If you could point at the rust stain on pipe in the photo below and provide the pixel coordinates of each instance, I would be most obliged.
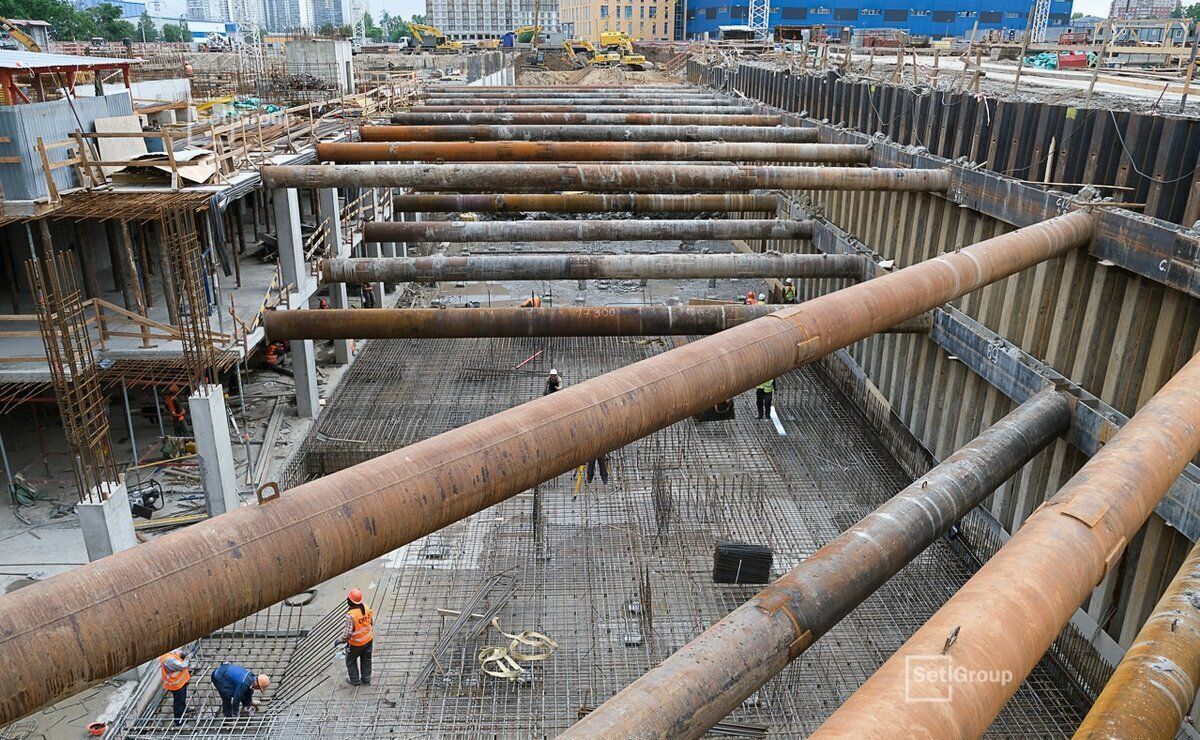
(559, 231)
(704, 110)
(690, 103)
(1010, 611)
(1155, 684)
(125, 609)
(692, 690)
(598, 321)
(779, 134)
(598, 178)
(417, 116)
(590, 151)
(583, 203)
(439, 268)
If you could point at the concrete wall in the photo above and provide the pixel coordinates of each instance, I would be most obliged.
(326, 59)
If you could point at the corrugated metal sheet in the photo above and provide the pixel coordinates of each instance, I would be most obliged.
(53, 121)
(41, 60)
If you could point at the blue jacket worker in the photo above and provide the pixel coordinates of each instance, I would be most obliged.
(237, 685)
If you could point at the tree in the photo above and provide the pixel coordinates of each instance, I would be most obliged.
(1076, 15)
(1192, 11)
(328, 30)
(146, 30)
(370, 30)
(66, 22)
(109, 24)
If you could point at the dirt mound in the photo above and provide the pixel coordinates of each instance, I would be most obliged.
(615, 76)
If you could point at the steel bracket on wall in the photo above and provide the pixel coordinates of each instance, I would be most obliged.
(1019, 375)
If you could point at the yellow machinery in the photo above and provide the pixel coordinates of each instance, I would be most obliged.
(18, 35)
(583, 52)
(432, 39)
(620, 43)
(526, 34)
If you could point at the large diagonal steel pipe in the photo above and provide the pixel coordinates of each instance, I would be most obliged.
(558, 231)
(102, 618)
(568, 321)
(588, 267)
(766, 134)
(1155, 684)
(583, 202)
(964, 664)
(415, 116)
(588, 151)
(692, 690)
(604, 178)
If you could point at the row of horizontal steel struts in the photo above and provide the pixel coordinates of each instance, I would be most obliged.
(505, 144)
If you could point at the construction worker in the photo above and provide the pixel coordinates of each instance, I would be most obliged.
(553, 383)
(789, 291)
(176, 674)
(602, 463)
(175, 411)
(237, 685)
(323, 304)
(762, 297)
(533, 301)
(751, 300)
(368, 295)
(359, 636)
(762, 398)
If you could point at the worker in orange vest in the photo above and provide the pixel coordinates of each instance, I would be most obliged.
(533, 301)
(751, 300)
(359, 636)
(176, 673)
(175, 411)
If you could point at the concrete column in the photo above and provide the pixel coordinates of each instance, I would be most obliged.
(304, 368)
(331, 214)
(287, 231)
(218, 477)
(107, 526)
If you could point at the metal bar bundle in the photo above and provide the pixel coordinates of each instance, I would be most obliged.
(583, 203)
(588, 267)
(567, 321)
(588, 151)
(737, 562)
(560, 231)
(497, 132)
(710, 676)
(418, 116)
(598, 178)
(208, 575)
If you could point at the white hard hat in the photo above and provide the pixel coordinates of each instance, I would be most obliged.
(762, 297)
(788, 281)
(553, 371)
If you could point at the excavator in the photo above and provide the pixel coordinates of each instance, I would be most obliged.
(583, 53)
(432, 39)
(621, 44)
(22, 38)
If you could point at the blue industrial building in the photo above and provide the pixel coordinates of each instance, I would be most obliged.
(933, 18)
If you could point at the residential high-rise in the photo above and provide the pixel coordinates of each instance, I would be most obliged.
(283, 16)
(472, 20)
(644, 20)
(216, 11)
(1133, 9)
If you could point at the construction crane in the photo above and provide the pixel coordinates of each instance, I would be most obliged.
(432, 38)
(1041, 20)
(621, 44)
(18, 35)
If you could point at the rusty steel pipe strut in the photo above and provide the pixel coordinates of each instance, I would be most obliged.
(702, 682)
(198, 579)
(588, 151)
(1156, 681)
(564, 231)
(536, 93)
(418, 117)
(705, 110)
(1005, 617)
(603, 178)
(441, 268)
(583, 203)
(571, 321)
(708, 103)
(761, 134)
(486, 89)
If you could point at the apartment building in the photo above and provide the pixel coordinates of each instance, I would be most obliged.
(644, 20)
(474, 20)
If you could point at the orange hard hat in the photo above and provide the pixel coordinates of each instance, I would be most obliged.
(355, 596)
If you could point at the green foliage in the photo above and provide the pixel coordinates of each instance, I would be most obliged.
(146, 30)
(68, 24)
(1191, 11)
(1076, 15)
(109, 24)
(172, 33)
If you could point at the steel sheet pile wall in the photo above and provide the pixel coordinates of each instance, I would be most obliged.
(1155, 155)
(1119, 335)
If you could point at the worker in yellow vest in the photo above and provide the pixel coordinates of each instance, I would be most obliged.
(789, 291)
(359, 636)
(762, 398)
(176, 673)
